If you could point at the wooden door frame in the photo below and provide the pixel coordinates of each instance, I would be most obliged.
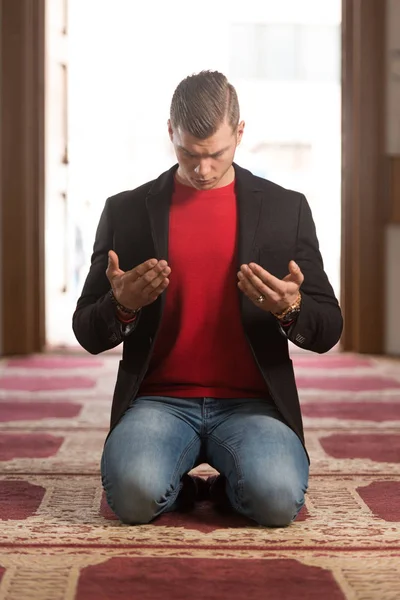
(22, 134)
(363, 175)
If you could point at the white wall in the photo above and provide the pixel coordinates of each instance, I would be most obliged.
(392, 241)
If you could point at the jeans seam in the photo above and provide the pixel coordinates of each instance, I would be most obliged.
(105, 481)
(236, 461)
(178, 489)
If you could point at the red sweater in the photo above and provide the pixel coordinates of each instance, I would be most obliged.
(201, 349)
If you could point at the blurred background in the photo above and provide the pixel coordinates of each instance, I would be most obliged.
(85, 93)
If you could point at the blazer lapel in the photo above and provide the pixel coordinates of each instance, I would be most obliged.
(158, 203)
(249, 212)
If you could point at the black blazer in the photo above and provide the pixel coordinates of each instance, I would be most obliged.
(275, 226)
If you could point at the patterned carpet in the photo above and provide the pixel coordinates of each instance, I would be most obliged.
(59, 541)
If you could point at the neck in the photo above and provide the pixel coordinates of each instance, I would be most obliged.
(225, 179)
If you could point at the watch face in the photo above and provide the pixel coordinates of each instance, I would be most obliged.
(290, 316)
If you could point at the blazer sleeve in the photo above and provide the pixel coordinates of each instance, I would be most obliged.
(319, 324)
(94, 322)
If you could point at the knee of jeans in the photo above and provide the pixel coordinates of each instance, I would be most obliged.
(134, 501)
(275, 506)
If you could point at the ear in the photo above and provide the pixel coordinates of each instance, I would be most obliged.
(239, 133)
(170, 130)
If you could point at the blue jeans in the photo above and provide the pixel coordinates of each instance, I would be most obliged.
(160, 439)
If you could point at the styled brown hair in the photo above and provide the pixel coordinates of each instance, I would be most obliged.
(201, 102)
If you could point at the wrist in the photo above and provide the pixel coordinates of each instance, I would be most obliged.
(125, 319)
(123, 311)
(291, 312)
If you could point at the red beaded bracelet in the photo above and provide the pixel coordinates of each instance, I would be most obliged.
(125, 321)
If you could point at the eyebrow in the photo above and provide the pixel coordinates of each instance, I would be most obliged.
(203, 155)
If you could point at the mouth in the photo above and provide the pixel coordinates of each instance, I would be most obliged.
(203, 182)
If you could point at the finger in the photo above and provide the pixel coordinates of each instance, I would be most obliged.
(259, 285)
(152, 279)
(253, 295)
(248, 289)
(158, 290)
(254, 291)
(255, 272)
(139, 271)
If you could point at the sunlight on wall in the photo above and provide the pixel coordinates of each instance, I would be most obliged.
(125, 60)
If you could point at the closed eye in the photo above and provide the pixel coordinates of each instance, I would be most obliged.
(190, 155)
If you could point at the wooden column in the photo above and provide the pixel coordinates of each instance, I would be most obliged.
(22, 128)
(394, 189)
(363, 189)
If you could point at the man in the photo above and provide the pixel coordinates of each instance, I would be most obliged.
(204, 274)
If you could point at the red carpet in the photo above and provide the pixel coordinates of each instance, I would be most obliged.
(59, 540)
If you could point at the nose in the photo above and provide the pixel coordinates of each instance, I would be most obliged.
(203, 168)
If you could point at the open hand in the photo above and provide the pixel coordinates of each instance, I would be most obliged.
(277, 294)
(141, 285)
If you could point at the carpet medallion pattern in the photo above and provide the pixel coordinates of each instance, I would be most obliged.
(60, 541)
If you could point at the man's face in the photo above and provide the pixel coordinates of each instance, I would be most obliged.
(206, 164)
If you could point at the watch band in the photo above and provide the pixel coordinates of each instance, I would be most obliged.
(290, 312)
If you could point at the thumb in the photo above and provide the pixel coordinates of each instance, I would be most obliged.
(295, 273)
(113, 263)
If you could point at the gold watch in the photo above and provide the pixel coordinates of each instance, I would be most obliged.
(290, 312)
